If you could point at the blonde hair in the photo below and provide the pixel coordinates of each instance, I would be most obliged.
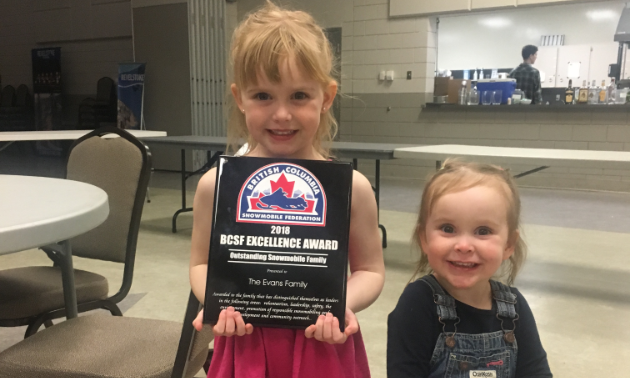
(456, 176)
(260, 44)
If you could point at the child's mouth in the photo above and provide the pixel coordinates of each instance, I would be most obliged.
(463, 265)
(283, 132)
(282, 135)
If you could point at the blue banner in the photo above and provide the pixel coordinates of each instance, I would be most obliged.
(130, 95)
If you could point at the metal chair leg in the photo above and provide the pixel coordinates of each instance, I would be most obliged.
(384, 231)
(34, 326)
(148, 195)
(112, 308)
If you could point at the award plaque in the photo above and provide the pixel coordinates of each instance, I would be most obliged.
(279, 247)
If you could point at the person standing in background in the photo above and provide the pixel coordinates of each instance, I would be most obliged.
(527, 77)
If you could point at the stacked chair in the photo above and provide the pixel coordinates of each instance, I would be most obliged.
(102, 110)
(16, 109)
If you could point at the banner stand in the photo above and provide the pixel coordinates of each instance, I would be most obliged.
(131, 95)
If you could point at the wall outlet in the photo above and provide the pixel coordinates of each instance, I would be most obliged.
(408, 75)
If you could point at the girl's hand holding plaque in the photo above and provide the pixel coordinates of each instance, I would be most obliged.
(230, 323)
(327, 328)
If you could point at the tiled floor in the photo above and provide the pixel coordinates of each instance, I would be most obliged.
(576, 279)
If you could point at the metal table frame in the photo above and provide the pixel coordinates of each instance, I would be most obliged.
(216, 146)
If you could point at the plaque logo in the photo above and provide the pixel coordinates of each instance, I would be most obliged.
(282, 193)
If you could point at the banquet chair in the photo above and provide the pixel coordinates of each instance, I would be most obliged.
(33, 295)
(111, 347)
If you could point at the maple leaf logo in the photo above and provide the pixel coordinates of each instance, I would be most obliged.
(284, 184)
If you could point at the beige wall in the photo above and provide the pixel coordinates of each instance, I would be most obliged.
(329, 13)
(373, 43)
(161, 41)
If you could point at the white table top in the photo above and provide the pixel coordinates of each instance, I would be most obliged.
(14, 136)
(516, 155)
(36, 211)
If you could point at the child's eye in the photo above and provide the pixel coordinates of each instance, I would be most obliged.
(262, 96)
(447, 228)
(300, 96)
(484, 231)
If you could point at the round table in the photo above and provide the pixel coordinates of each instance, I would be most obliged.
(39, 211)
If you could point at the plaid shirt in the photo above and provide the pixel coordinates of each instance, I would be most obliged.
(528, 80)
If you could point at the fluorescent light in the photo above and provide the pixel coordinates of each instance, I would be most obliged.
(496, 22)
(602, 15)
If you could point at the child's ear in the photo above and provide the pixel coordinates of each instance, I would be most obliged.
(511, 244)
(330, 91)
(237, 96)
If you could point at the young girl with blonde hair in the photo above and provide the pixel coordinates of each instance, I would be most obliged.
(456, 321)
(283, 90)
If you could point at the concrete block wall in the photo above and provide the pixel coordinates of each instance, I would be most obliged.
(373, 42)
(406, 122)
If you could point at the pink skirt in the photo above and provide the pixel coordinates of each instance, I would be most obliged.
(286, 353)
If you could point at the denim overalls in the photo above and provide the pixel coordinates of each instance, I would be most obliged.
(485, 355)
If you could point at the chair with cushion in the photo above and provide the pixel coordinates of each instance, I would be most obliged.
(111, 347)
(120, 166)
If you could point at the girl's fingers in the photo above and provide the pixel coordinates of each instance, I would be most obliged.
(240, 324)
(309, 332)
(198, 322)
(338, 336)
(352, 325)
(319, 328)
(327, 334)
(327, 328)
(229, 323)
(219, 328)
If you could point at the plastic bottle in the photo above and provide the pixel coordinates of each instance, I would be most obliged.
(473, 96)
(612, 92)
(462, 100)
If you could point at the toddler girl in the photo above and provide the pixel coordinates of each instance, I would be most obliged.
(456, 321)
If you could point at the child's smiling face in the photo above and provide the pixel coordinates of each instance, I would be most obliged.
(466, 237)
(283, 117)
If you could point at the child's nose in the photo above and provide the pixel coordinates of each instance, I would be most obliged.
(282, 113)
(464, 244)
